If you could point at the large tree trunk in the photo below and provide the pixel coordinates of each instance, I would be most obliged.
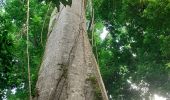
(69, 70)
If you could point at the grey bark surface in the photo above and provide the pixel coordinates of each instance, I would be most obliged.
(69, 70)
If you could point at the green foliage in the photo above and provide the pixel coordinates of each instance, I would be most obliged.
(13, 62)
(6, 43)
(57, 2)
(138, 48)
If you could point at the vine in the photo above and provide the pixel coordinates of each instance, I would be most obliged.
(28, 59)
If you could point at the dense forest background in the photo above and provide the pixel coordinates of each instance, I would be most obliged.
(130, 39)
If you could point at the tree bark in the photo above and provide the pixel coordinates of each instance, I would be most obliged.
(69, 70)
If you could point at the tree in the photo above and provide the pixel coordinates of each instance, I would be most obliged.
(134, 57)
(69, 69)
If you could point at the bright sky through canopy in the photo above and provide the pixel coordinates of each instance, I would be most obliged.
(157, 97)
(104, 33)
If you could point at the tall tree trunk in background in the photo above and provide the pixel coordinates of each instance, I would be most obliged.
(69, 70)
